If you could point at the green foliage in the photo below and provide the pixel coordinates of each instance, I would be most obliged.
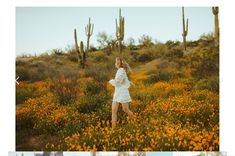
(211, 83)
(57, 51)
(65, 90)
(145, 57)
(91, 103)
(103, 39)
(146, 41)
(163, 75)
(100, 57)
(36, 71)
(72, 56)
(150, 53)
(24, 92)
(205, 62)
(174, 53)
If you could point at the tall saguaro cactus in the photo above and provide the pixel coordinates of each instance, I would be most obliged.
(82, 52)
(120, 30)
(89, 31)
(81, 57)
(185, 30)
(215, 11)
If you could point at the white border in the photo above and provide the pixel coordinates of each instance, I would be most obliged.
(7, 60)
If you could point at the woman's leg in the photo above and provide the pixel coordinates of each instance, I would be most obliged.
(125, 107)
(114, 113)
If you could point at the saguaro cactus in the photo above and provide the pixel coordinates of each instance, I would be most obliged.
(215, 11)
(89, 31)
(120, 30)
(82, 52)
(80, 56)
(185, 31)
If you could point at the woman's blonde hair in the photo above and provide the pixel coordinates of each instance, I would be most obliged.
(123, 64)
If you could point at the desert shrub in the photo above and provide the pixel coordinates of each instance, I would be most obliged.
(134, 55)
(38, 64)
(150, 53)
(163, 75)
(204, 62)
(72, 56)
(64, 89)
(174, 53)
(59, 62)
(91, 102)
(23, 92)
(23, 72)
(146, 41)
(100, 57)
(20, 62)
(36, 71)
(211, 83)
(94, 88)
(38, 74)
(57, 52)
(192, 43)
(99, 73)
(145, 57)
(171, 44)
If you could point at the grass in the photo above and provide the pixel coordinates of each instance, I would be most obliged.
(70, 108)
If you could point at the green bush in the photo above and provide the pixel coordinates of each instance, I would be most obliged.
(100, 57)
(73, 57)
(204, 62)
(23, 93)
(23, 72)
(174, 53)
(64, 89)
(163, 75)
(100, 72)
(211, 83)
(94, 88)
(145, 57)
(91, 103)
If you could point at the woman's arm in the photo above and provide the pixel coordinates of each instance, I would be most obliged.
(120, 77)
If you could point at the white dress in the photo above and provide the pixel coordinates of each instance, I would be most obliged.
(121, 84)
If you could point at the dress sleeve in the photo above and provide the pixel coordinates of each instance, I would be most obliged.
(120, 75)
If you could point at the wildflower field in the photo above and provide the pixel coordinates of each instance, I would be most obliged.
(175, 97)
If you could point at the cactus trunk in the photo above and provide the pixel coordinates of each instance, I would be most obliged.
(185, 30)
(89, 31)
(120, 30)
(80, 58)
(215, 11)
(83, 52)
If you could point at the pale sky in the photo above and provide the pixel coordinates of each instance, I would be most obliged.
(39, 29)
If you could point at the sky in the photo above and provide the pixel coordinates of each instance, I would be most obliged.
(40, 29)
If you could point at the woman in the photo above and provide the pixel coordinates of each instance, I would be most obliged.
(121, 94)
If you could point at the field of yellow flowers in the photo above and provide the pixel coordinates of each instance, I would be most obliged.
(172, 115)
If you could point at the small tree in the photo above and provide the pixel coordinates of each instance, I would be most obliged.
(146, 41)
(102, 39)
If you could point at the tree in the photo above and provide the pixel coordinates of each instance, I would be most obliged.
(146, 41)
(103, 39)
(130, 42)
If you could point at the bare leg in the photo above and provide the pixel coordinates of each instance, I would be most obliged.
(125, 107)
(114, 114)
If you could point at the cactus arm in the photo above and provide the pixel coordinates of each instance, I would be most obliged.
(80, 60)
